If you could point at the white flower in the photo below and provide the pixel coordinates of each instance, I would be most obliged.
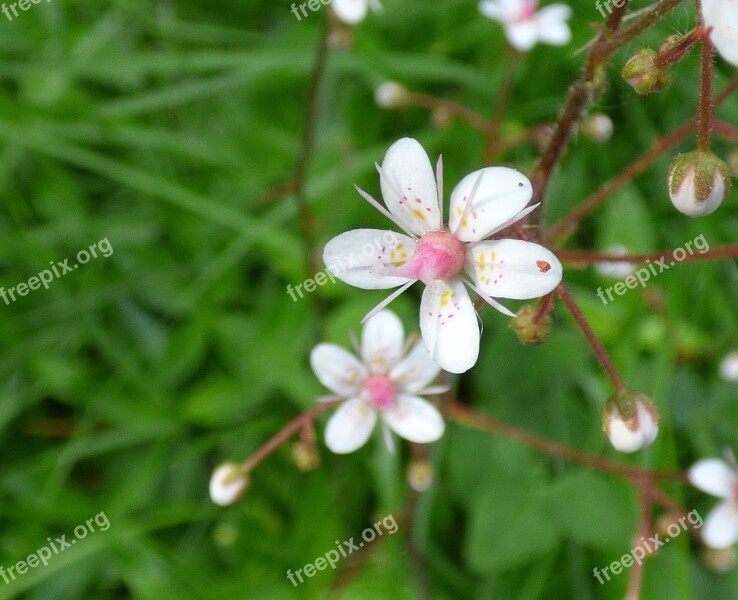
(381, 381)
(227, 484)
(354, 11)
(525, 25)
(718, 479)
(722, 16)
(483, 203)
(630, 421)
(729, 367)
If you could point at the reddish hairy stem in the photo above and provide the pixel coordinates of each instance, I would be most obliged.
(467, 416)
(587, 257)
(597, 346)
(296, 425)
(706, 107)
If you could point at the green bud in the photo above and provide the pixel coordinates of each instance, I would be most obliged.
(698, 182)
(643, 74)
(529, 329)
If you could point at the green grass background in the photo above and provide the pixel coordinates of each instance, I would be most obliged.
(162, 126)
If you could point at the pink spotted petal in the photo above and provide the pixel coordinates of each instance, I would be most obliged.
(448, 323)
(360, 257)
(409, 187)
(513, 269)
(480, 206)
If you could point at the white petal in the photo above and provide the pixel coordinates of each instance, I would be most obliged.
(713, 476)
(501, 194)
(721, 526)
(358, 257)
(350, 11)
(722, 16)
(513, 269)
(337, 369)
(729, 367)
(415, 419)
(350, 426)
(522, 35)
(448, 323)
(493, 10)
(416, 370)
(227, 484)
(382, 341)
(552, 27)
(409, 187)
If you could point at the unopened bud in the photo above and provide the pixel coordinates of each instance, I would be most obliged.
(729, 367)
(597, 127)
(391, 95)
(698, 182)
(719, 560)
(530, 326)
(305, 456)
(228, 483)
(630, 421)
(643, 74)
(733, 162)
(420, 475)
(442, 117)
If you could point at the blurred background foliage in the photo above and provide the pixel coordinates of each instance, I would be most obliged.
(163, 126)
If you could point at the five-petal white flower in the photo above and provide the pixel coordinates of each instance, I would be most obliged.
(383, 381)
(717, 478)
(482, 204)
(722, 17)
(354, 11)
(525, 25)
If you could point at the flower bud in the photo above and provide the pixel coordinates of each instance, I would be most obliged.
(630, 420)
(597, 127)
(729, 367)
(391, 95)
(643, 74)
(420, 475)
(719, 560)
(305, 456)
(698, 182)
(530, 326)
(442, 117)
(228, 483)
(733, 162)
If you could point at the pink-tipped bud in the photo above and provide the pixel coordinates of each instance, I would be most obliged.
(228, 483)
(698, 183)
(643, 74)
(391, 95)
(630, 421)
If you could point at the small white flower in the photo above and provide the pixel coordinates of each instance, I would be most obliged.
(729, 366)
(354, 11)
(483, 203)
(228, 483)
(616, 270)
(381, 381)
(717, 478)
(631, 423)
(525, 25)
(722, 16)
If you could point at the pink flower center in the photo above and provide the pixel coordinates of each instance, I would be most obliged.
(380, 391)
(528, 10)
(439, 255)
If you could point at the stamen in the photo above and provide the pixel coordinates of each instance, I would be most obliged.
(386, 301)
(381, 209)
(489, 300)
